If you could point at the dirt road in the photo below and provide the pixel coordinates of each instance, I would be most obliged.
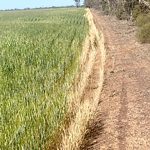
(123, 116)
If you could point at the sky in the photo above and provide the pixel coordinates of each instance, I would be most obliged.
(11, 4)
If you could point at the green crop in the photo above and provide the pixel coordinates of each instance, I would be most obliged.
(39, 54)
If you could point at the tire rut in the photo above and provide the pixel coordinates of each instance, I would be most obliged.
(122, 117)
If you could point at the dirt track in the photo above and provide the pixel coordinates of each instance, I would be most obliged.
(123, 116)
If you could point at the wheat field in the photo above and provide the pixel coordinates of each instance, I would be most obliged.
(39, 59)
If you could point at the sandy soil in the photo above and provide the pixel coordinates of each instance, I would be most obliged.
(122, 121)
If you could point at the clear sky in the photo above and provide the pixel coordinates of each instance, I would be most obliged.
(11, 4)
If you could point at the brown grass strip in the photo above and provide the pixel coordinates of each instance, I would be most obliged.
(84, 97)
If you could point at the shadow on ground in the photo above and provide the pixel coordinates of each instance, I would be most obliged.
(94, 130)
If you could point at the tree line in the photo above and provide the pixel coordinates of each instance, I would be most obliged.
(121, 8)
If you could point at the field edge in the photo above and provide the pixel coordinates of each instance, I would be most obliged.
(87, 89)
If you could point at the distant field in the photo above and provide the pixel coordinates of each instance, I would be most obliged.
(39, 52)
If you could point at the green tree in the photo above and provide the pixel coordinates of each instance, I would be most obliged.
(77, 3)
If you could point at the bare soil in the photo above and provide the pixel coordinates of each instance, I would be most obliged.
(122, 120)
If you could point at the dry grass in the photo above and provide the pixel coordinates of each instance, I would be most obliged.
(83, 110)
